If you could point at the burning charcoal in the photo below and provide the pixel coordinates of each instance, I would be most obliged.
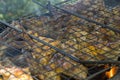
(112, 72)
(116, 77)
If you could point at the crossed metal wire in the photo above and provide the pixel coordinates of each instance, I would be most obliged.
(63, 52)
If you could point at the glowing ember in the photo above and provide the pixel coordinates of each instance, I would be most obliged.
(111, 72)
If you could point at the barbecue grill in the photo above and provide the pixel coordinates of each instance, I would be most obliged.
(74, 40)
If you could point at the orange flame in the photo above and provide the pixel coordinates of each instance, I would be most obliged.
(109, 74)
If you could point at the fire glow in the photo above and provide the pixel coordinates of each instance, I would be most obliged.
(109, 74)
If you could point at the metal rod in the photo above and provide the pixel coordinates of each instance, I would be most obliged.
(98, 73)
(87, 19)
